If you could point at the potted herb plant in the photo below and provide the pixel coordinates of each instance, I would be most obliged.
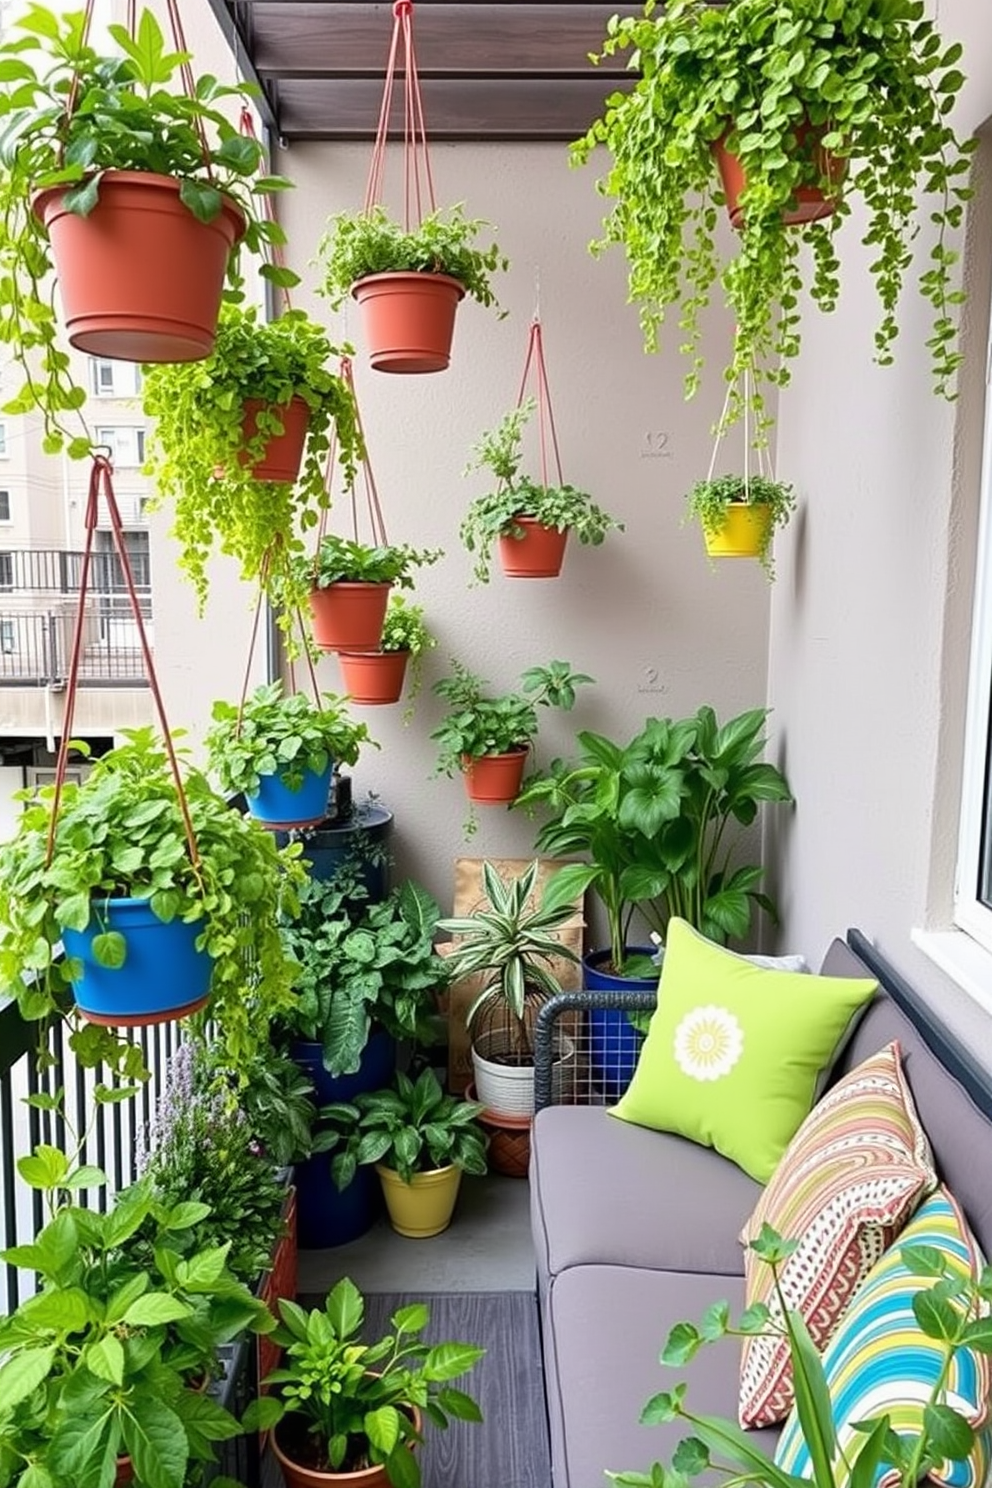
(148, 933)
(350, 584)
(375, 677)
(529, 522)
(230, 435)
(420, 1141)
(110, 163)
(487, 738)
(408, 282)
(740, 514)
(344, 1406)
(850, 100)
(280, 751)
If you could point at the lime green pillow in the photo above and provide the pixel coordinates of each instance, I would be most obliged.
(735, 1053)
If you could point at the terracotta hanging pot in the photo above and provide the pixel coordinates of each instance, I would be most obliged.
(374, 677)
(408, 320)
(494, 779)
(811, 203)
(743, 533)
(140, 278)
(284, 452)
(349, 616)
(539, 554)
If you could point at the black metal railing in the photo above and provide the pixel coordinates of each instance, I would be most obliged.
(58, 571)
(36, 646)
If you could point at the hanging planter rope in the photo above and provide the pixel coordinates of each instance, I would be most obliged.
(540, 551)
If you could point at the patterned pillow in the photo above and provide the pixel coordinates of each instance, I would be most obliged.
(880, 1362)
(847, 1183)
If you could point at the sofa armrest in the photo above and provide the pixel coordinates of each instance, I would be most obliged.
(567, 1012)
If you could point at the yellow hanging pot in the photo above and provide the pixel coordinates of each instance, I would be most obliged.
(743, 532)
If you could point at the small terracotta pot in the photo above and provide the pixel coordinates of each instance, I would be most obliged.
(296, 1475)
(811, 203)
(509, 1140)
(539, 554)
(494, 779)
(284, 452)
(349, 616)
(140, 278)
(408, 319)
(742, 534)
(373, 677)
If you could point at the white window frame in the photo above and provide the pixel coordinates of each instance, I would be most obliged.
(4, 451)
(131, 459)
(5, 521)
(7, 562)
(122, 379)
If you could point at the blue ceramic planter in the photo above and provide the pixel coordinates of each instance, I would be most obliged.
(163, 976)
(280, 808)
(614, 1043)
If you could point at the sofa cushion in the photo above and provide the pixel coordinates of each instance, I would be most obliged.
(880, 1362)
(603, 1191)
(604, 1327)
(734, 1052)
(848, 1182)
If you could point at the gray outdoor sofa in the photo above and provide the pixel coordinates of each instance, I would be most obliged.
(636, 1230)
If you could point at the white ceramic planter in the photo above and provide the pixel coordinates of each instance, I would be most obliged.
(508, 1090)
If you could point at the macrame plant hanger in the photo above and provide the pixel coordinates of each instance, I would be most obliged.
(534, 361)
(373, 506)
(418, 181)
(754, 439)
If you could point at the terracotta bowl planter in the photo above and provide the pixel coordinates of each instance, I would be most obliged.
(140, 278)
(349, 616)
(292, 1429)
(284, 452)
(373, 677)
(811, 203)
(743, 533)
(494, 779)
(408, 320)
(539, 554)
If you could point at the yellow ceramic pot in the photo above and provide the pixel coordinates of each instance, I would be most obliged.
(742, 534)
(423, 1206)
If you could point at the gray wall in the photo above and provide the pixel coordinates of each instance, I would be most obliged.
(871, 614)
(644, 614)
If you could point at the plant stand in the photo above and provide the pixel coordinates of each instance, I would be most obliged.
(509, 1140)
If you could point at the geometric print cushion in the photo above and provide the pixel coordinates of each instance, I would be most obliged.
(880, 1362)
(849, 1180)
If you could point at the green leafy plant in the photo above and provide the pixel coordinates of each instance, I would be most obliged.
(495, 515)
(953, 1312)
(273, 734)
(131, 113)
(272, 1091)
(121, 833)
(362, 964)
(781, 83)
(412, 1127)
(512, 947)
(353, 1404)
(200, 460)
(708, 501)
(356, 245)
(405, 629)
(341, 559)
(659, 818)
(477, 724)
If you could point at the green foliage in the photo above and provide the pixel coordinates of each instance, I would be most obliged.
(494, 515)
(278, 735)
(413, 1127)
(121, 833)
(405, 629)
(656, 818)
(110, 1356)
(274, 1094)
(878, 82)
(356, 1398)
(339, 558)
(951, 1312)
(708, 501)
(362, 963)
(200, 460)
(477, 724)
(132, 113)
(356, 245)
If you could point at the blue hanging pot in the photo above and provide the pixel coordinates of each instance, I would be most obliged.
(163, 975)
(281, 808)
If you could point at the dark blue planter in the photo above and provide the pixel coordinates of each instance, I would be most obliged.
(277, 806)
(614, 1043)
(358, 840)
(163, 976)
(326, 1217)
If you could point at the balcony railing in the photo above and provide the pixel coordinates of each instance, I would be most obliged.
(36, 646)
(56, 571)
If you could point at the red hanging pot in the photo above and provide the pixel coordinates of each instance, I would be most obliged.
(284, 452)
(539, 554)
(811, 202)
(140, 278)
(349, 616)
(494, 779)
(374, 677)
(408, 320)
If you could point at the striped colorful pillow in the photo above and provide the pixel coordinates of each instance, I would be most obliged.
(880, 1362)
(849, 1180)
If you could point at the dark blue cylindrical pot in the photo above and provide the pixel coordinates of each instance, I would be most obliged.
(278, 806)
(163, 977)
(326, 1217)
(614, 1042)
(361, 839)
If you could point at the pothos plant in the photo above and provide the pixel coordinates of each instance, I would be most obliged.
(478, 724)
(708, 501)
(495, 515)
(779, 85)
(121, 833)
(276, 734)
(342, 559)
(201, 460)
(131, 113)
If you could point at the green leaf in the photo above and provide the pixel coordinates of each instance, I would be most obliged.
(46, 1167)
(22, 1374)
(110, 949)
(155, 1309)
(157, 1444)
(950, 1435)
(105, 1359)
(85, 1177)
